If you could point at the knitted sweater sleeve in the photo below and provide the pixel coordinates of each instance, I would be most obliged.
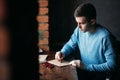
(109, 55)
(71, 44)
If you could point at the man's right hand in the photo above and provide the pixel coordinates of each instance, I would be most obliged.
(59, 56)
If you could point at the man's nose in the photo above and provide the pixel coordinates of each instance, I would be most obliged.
(79, 25)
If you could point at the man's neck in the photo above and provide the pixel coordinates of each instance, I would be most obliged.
(93, 28)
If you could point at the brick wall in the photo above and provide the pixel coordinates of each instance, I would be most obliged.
(43, 26)
(2, 10)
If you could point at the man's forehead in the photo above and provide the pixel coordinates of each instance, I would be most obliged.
(82, 18)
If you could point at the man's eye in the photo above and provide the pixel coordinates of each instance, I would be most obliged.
(82, 23)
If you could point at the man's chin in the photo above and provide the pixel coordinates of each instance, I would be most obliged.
(83, 31)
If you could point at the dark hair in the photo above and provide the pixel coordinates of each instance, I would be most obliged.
(87, 10)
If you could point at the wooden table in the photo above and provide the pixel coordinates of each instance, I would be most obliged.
(57, 73)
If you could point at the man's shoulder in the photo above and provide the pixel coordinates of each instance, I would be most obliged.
(103, 31)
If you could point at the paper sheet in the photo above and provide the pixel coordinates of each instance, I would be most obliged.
(42, 58)
(57, 63)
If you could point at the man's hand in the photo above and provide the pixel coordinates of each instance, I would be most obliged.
(59, 56)
(77, 63)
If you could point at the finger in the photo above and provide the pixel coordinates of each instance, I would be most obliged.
(59, 59)
(72, 63)
(58, 55)
(55, 56)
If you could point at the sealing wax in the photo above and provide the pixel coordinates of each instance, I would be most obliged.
(48, 65)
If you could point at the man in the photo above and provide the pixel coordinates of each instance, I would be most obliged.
(94, 43)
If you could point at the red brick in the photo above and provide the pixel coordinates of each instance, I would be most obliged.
(43, 11)
(42, 18)
(46, 34)
(44, 41)
(43, 26)
(43, 3)
(43, 34)
(44, 47)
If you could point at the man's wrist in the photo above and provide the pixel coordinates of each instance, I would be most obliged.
(62, 54)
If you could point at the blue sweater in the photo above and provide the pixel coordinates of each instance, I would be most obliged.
(96, 51)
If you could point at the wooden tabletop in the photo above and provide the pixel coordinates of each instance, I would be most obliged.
(56, 73)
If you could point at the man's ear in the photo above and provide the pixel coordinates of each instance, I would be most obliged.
(93, 21)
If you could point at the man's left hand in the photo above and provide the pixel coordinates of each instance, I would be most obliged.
(77, 63)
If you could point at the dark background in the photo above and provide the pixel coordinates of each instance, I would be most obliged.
(22, 25)
(62, 22)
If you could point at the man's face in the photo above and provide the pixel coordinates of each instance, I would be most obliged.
(83, 24)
